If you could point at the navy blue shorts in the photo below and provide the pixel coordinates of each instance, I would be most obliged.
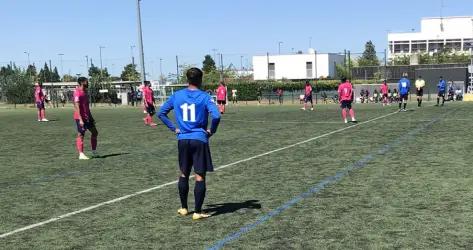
(404, 97)
(346, 104)
(87, 126)
(441, 94)
(150, 109)
(40, 105)
(308, 99)
(194, 153)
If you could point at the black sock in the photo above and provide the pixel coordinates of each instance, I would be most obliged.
(400, 105)
(183, 186)
(438, 101)
(420, 102)
(405, 105)
(199, 193)
(443, 101)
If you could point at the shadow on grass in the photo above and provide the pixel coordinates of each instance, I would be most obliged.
(112, 155)
(229, 208)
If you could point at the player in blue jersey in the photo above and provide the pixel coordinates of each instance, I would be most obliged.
(404, 87)
(441, 87)
(191, 108)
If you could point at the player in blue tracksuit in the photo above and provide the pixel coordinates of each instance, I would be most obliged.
(441, 87)
(192, 107)
(404, 87)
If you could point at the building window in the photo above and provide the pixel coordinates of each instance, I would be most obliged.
(467, 44)
(391, 47)
(435, 45)
(308, 68)
(401, 46)
(271, 71)
(454, 44)
(419, 46)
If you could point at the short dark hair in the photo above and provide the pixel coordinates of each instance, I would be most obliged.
(307, 82)
(147, 83)
(194, 76)
(81, 80)
(344, 79)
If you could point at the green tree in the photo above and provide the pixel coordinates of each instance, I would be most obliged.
(55, 76)
(44, 74)
(17, 87)
(31, 72)
(369, 57)
(69, 78)
(130, 73)
(208, 65)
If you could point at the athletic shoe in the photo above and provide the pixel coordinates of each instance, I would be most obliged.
(199, 216)
(45, 120)
(303, 109)
(346, 121)
(95, 154)
(153, 124)
(353, 120)
(39, 120)
(183, 211)
(311, 109)
(82, 156)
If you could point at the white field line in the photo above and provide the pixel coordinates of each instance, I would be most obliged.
(42, 223)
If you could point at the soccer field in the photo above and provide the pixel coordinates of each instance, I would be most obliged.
(286, 179)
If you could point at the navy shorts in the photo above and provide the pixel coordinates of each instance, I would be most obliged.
(308, 99)
(40, 105)
(346, 104)
(441, 94)
(150, 109)
(404, 97)
(194, 153)
(222, 102)
(87, 126)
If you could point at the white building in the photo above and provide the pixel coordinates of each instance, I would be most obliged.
(437, 33)
(295, 66)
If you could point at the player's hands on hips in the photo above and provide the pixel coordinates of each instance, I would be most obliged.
(209, 134)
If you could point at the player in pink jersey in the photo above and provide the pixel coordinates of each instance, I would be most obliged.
(384, 92)
(308, 96)
(84, 119)
(221, 97)
(149, 104)
(39, 98)
(345, 96)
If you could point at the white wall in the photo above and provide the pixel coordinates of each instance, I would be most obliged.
(293, 67)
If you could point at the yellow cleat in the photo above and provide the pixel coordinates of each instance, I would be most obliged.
(197, 216)
(183, 212)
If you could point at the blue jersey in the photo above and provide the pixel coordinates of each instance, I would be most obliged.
(191, 109)
(404, 86)
(442, 86)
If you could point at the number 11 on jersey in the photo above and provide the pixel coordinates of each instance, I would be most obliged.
(186, 108)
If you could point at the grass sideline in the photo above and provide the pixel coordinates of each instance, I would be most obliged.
(393, 202)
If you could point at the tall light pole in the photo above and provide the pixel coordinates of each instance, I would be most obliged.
(28, 53)
(60, 59)
(140, 42)
(100, 49)
(241, 63)
(310, 42)
(132, 54)
(161, 69)
(177, 69)
(279, 47)
(87, 64)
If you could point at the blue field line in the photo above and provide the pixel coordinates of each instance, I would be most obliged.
(320, 186)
